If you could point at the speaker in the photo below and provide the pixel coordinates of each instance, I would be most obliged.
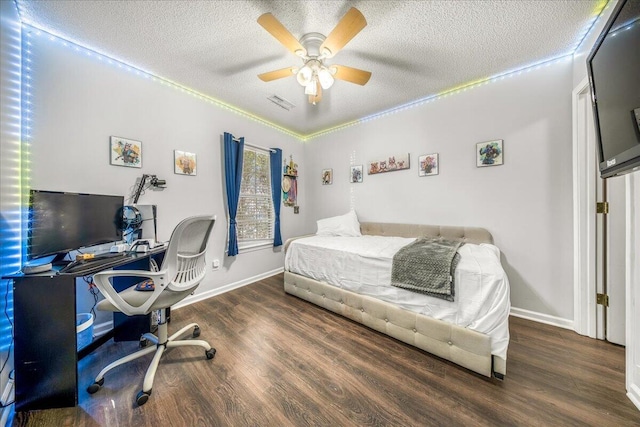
(35, 269)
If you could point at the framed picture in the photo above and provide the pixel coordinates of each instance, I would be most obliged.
(125, 152)
(428, 165)
(489, 153)
(389, 164)
(356, 174)
(184, 163)
(327, 176)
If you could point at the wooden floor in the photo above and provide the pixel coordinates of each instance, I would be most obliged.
(282, 361)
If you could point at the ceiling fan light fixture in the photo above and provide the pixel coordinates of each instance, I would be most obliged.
(325, 77)
(305, 75)
(311, 88)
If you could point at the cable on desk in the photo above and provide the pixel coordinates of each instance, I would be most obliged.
(93, 290)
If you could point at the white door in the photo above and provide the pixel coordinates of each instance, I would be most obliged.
(616, 257)
(610, 256)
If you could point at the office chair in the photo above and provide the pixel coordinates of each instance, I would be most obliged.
(182, 270)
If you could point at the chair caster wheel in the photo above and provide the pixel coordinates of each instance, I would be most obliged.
(143, 342)
(196, 332)
(142, 397)
(210, 353)
(95, 386)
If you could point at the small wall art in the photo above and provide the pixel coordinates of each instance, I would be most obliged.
(428, 165)
(327, 176)
(356, 173)
(125, 152)
(389, 164)
(489, 153)
(184, 163)
(289, 190)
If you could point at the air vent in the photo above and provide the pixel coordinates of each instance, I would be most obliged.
(281, 102)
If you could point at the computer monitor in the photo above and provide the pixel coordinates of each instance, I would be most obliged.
(60, 222)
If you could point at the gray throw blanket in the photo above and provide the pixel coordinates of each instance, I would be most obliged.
(427, 266)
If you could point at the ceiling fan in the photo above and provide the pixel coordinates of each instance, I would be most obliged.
(313, 49)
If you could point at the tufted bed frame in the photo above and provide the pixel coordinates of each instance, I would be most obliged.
(459, 345)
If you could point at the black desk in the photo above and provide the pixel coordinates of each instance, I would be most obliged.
(44, 312)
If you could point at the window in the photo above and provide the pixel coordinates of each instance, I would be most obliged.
(255, 215)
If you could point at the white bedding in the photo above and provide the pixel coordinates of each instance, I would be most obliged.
(363, 265)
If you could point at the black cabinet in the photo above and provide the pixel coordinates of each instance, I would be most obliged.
(44, 312)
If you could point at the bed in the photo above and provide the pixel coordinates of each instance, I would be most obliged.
(350, 275)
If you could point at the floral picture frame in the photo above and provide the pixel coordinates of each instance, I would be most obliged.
(356, 173)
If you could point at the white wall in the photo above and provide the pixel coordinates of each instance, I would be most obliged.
(79, 102)
(526, 203)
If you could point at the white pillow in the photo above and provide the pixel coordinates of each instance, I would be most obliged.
(343, 225)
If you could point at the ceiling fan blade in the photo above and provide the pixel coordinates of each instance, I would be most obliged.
(351, 24)
(352, 75)
(314, 99)
(277, 30)
(277, 74)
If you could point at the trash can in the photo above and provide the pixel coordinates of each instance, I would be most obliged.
(84, 329)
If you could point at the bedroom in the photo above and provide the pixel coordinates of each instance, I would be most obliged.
(79, 99)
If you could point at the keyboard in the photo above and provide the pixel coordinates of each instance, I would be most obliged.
(91, 264)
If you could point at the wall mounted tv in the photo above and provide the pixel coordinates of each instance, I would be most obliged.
(614, 76)
(61, 222)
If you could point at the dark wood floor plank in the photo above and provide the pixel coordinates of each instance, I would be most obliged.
(283, 361)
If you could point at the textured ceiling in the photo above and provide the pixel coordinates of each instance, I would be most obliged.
(414, 49)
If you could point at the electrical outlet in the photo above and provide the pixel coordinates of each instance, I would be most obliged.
(215, 264)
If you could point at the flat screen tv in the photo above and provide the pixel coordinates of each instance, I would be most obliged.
(614, 76)
(61, 222)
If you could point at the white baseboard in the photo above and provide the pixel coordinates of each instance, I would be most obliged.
(542, 318)
(104, 327)
(217, 291)
(634, 395)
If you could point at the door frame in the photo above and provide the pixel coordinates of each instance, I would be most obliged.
(584, 214)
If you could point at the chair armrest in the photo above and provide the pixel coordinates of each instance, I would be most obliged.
(102, 280)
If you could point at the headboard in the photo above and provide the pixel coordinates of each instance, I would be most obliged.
(466, 234)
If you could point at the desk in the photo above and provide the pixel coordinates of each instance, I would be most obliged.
(44, 312)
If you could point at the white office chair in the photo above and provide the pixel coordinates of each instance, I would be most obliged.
(183, 268)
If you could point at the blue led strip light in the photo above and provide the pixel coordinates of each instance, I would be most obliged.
(448, 92)
(598, 11)
(147, 75)
(10, 182)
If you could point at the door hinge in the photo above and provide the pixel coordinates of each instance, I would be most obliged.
(602, 299)
(602, 207)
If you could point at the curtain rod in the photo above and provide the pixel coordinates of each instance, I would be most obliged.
(255, 146)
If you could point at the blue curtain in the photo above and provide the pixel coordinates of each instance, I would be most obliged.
(276, 194)
(233, 153)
